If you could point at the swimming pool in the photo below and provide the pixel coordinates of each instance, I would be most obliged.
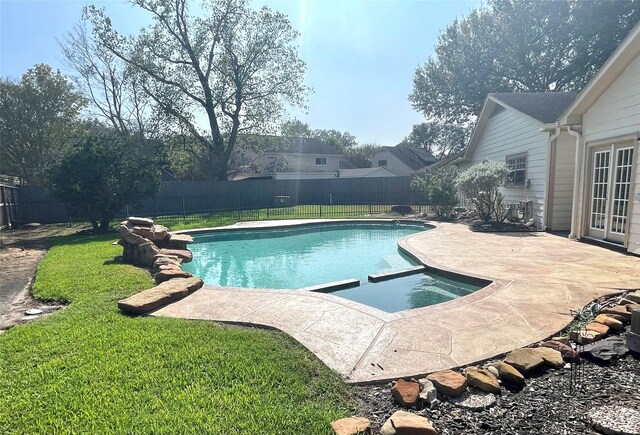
(313, 254)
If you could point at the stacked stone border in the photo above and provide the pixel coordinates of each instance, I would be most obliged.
(150, 245)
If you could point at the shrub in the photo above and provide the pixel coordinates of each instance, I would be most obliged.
(440, 188)
(481, 185)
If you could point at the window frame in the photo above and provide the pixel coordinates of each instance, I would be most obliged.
(514, 157)
(386, 162)
(321, 158)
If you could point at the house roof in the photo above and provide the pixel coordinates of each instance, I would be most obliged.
(363, 172)
(443, 162)
(541, 106)
(414, 158)
(626, 52)
(287, 145)
(346, 164)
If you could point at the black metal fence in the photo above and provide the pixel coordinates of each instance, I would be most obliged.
(244, 200)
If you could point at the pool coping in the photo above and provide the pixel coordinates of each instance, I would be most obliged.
(522, 305)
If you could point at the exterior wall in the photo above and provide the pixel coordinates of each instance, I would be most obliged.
(562, 176)
(394, 164)
(508, 133)
(617, 114)
(303, 175)
(303, 162)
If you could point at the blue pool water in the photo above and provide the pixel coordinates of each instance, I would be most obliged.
(302, 256)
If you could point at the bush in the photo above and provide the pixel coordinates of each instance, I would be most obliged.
(481, 185)
(440, 188)
(105, 171)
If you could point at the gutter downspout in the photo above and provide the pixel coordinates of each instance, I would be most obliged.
(576, 216)
(547, 190)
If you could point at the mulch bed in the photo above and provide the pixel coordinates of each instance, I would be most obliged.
(546, 405)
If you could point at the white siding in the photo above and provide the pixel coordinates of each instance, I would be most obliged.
(507, 133)
(562, 189)
(303, 162)
(617, 113)
(394, 164)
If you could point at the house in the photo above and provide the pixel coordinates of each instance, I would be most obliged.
(402, 160)
(286, 158)
(604, 123)
(511, 129)
(366, 173)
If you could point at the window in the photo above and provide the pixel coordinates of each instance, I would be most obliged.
(517, 165)
(382, 163)
(321, 161)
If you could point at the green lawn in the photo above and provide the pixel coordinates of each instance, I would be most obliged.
(91, 369)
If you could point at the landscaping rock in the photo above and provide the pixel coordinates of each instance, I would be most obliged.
(632, 307)
(154, 232)
(184, 254)
(620, 310)
(567, 352)
(475, 401)
(610, 348)
(448, 382)
(177, 241)
(142, 254)
(509, 374)
(494, 371)
(351, 426)
(482, 379)
(633, 297)
(159, 296)
(428, 392)
(406, 423)
(167, 274)
(525, 360)
(597, 328)
(562, 339)
(615, 420)
(406, 392)
(139, 221)
(129, 237)
(612, 323)
(551, 357)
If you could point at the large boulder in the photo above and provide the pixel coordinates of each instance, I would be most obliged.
(449, 383)
(552, 357)
(142, 254)
(509, 374)
(170, 273)
(403, 422)
(406, 392)
(525, 360)
(139, 221)
(176, 241)
(612, 323)
(183, 254)
(567, 352)
(351, 426)
(160, 295)
(482, 379)
(154, 233)
(130, 237)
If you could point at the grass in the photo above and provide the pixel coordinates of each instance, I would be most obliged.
(91, 369)
(207, 220)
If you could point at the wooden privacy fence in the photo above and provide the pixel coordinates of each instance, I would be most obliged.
(198, 197)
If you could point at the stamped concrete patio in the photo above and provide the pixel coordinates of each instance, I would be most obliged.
(538, 278)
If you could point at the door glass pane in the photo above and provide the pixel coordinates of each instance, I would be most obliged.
(622, 189)
(599, 189)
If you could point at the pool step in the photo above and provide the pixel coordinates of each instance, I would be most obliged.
(332, 286)
(375, 277)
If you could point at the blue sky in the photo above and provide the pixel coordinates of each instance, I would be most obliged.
(360, 55)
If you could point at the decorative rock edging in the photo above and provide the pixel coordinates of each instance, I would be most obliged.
(465, 390)
(149, 245)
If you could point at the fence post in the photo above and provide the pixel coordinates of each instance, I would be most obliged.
(320, 208)
(128, 215)
(184, 211)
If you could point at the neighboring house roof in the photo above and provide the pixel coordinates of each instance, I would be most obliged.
(346, 164)
(541, 106)
(364, 172)
(287, 145)
(452, 158)
(626, 52)
(414, 158)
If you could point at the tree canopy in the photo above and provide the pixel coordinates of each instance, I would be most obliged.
(226, 71)
(104, 171)
(518, 46)
(37, 116)
(439, 139)
(339, 140)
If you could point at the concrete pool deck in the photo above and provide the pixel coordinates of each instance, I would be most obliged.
(538, 278)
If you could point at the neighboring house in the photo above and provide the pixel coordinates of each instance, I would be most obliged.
(366, 172)
(287, 158)
(402, 160)
(510, 129)
(605, 123)
(454, 159)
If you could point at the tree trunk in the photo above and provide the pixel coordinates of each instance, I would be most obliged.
(94, 224)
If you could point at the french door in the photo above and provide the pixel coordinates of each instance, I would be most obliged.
(611, 169)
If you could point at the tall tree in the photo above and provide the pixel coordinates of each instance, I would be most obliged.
(439, 139)
(234, 67)
(340, 140)
(38, 114)
(518, 46)
(362, 155)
